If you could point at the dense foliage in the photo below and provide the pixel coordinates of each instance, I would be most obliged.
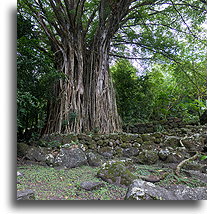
(165, 91)
(63, 54)
(35, 75)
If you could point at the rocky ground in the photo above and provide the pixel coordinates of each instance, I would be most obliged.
(115, 167)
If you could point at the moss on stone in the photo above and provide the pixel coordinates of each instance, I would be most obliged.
(22, 149)
(124, 145)
(117, 173)
(147, 137)
(147, 157)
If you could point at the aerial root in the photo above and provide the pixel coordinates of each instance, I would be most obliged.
(182, 163)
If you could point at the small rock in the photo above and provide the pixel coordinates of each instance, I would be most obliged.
(163, 154)
(26, 195)
(129, 152)
(89, 185)
(111, 144)
(19, 174)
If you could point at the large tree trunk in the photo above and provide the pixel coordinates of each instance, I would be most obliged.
(84, 100)
(100, 102)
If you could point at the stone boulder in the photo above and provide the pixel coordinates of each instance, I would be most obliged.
(106, 152)
(26, 195)
(147, 157)
(142, 190)
(170, 155)
(89, 185)
(172, 141)
(129, 152)
(36, 154)
(116, 172)
(70, 158)
(22, 149)
(94, 159)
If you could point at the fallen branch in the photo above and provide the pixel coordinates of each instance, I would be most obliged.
(180, 165)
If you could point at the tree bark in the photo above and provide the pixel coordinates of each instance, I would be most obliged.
(85, 99)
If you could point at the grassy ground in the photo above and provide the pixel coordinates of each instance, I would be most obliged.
(52, 184)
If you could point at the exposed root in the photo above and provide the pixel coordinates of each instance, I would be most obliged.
(180, 165)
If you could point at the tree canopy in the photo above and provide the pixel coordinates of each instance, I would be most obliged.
(81, 37)
(137, 29)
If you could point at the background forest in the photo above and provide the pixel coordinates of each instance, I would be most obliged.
(152, 88)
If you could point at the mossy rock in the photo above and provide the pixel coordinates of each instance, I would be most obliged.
(92, 146)
(119, 152)
(148, 145)
(22, 149)
(69, 138)
(115, 172)
(126, 138)
(124, 145)
(147, 157)
(94, 159)
(87, 138)
(158, 135)
(190, 143)
(129, 152)
(172, 141)
(136, 145)
(139, 140)
(113, 136)
(100, 143)
(106, 152)
(148, 137)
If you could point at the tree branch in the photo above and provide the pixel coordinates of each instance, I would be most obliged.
(126, 57)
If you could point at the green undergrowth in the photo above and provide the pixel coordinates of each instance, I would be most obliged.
(169, 177)
(52, 184)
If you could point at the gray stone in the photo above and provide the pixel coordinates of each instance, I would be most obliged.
(107, 152)
(36, 154)
(184, 192)
(129, 152)
(89, 185)
(94, 159)
(170, 155)
(26, 195)
(19, 174)
(172, 141)
(163, 154)
(142, 190)
(50, 160)
(70, 158)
